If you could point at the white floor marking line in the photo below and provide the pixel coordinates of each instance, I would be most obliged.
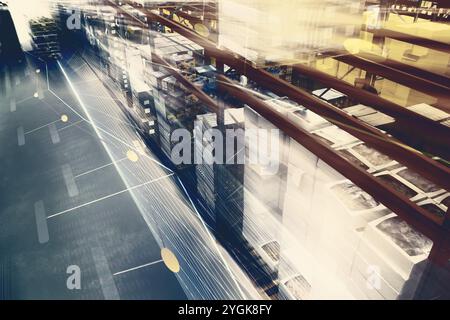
(12, 104)
(70, 125)
(96, 128)
(46, 73)
(40, 93)
(119, 120)
(212, 239)
(41, 222)
(138, 267)
(20, 136)
(101, 167)
(71, 186)
(105, 277)
(54, 133)
(108, 196)
(7, 81)
(41, 127)
(25, 99)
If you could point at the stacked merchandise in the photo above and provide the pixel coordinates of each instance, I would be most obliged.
(117, 57)
(366, 158)
(144, 101)
(430, 112)
(166, 108)
(175, 107)
(43, 32)
(416, 188)
(369, 115)
(270, 168)
(336, 226)
(218, 184)
(391, 258)
(168, 44)
(206, 184)
(264, 182)
(282, 72)
(332, 96)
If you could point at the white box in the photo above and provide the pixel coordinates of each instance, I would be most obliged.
(359, 110)
(302, 158)
(403, 289)
(429, 111)
(402, 246)
(371, 159)
(296, 287)
(334, 136)
(365, 286)
(349, 205)
(308, 120)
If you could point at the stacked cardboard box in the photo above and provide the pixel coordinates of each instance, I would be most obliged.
(44, 36)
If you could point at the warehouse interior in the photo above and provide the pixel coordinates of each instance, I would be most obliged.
(349, 100)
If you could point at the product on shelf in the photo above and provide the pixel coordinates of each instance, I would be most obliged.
(409, 240)
(328, 94)
(372, 156)
(420, 182)
(297, 287)
(366, 158)
(353, 159)
(377, 119)
(433, 207)
(353, 197)
(334, 136)
(360, 110)
(369, 115)
(308, 120)
(272, 249)
(352, 207)
(398, 185)
(429, 111)
(399, 243)
(393, 255)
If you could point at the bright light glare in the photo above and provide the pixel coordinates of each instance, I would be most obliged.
(22, 11)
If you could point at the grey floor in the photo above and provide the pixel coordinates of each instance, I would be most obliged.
(49, 166)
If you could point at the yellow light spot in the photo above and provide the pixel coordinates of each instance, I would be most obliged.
(38, 70)
(170, 260)
(132, 156)
(36, 95)
(64, 118)
(201, 30)
(176, 18)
